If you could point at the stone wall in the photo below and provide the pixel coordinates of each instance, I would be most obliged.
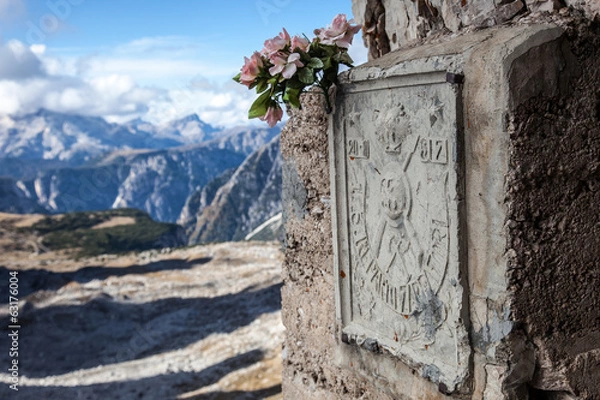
(394, 24)
(308, 295)
(553, 218)
(514, 115)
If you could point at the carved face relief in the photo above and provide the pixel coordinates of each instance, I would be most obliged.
(393, 194)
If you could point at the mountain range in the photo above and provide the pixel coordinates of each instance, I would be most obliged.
(219, 184)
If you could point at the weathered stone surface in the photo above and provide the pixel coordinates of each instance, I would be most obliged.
(528, 270)
(553, 220)
(398, 171)
(544, 5)
(394, 24)
(503, 361)
(591, 8)
(311, 357)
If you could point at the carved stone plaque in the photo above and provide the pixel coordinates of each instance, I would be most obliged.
(397, 189)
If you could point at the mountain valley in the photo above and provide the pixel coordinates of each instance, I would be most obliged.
(218, 184)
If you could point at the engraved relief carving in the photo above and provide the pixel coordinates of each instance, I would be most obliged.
(393, 128)
(434, 150)
(398, 186)
(393, 264)
(358, 148)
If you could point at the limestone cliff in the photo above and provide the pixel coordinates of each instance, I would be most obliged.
(250, 197)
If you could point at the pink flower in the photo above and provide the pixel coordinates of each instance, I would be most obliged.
(251, 69)
(276, 44)
(287, 66)
(340, 32)
(299, 42)
(273, 115)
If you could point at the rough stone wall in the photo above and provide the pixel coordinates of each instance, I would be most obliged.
(534, 243)
(553, 197)
(311, 368)
(393, 24)
(308, 295)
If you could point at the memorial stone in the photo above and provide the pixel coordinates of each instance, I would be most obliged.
(453, 251)
(398, 158)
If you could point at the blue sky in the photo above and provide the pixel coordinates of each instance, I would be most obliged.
(156, 59)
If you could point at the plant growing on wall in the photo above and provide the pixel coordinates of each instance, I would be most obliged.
(286, 66)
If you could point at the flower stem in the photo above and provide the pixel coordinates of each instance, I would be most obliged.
(327, 103)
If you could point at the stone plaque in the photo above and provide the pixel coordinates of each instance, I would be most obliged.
(397, 189)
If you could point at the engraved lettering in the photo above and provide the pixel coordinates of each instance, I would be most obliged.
(440, 147)
(362, 246)
(371, 266)
(433, 150)
(356, 217)
(375, 274)
(358, 149)
(425, 150)
(393, 142)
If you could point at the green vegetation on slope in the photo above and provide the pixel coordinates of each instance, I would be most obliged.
(74, 231)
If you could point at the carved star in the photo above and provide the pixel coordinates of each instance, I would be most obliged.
(435, 108)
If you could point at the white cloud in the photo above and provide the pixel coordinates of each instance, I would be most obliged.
(192, 83)
(109, 85)
(26, 86)
(156, 61)
(18, 62)
(217, 104)
(150, 70)
(70, 95)
(221, 100)
(38, 49)
(158, 79)
(9, 104)
(173, 45)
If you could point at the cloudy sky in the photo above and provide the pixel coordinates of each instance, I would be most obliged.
(154, 59)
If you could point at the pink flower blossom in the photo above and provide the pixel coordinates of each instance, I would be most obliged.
(299, 42)
(340, 32)
(251, 69)
(276, 44)
(273, 115)
(284, 64)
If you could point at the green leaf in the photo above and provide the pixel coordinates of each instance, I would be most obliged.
(292, 96)
(331, 50)
(295, 83)
(345, 59)
(326, 63)
(237, 77)
(315, 63)
(330, 75)
(260, 105)
(306, 75)
(261, 86)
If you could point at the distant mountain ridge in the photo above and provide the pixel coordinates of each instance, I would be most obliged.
(158, 182)
(57, 163)
(251, 196)
(64, 140)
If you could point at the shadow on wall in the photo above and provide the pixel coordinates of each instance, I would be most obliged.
(156, 387)
(56, 340)
(33, 280)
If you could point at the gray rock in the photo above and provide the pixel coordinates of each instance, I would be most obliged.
(249, 198)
